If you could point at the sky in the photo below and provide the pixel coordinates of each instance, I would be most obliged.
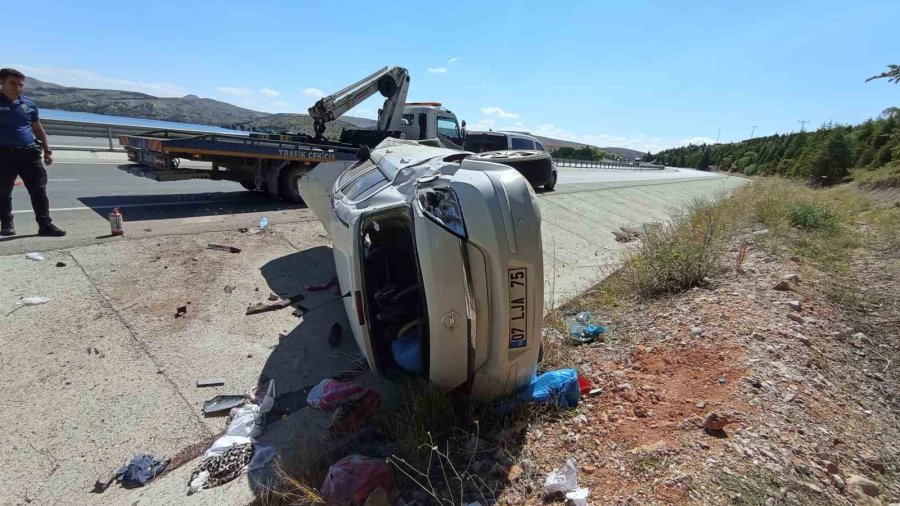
(638, 74)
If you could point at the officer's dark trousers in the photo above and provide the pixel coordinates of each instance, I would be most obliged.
(28, 166)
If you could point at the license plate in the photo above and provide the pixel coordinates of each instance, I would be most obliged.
(518, 307)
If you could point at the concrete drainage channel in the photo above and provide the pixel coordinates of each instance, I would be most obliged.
(105, 370)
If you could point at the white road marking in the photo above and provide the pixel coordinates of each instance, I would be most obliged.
(61, 180)
(126, 206)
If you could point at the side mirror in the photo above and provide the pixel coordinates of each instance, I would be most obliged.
(363, 153)
(463, 130)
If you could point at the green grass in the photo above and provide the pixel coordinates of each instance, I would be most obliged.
(881, 178)
(812, 216)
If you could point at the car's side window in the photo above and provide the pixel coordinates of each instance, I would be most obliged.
(520, 143)
(538, 146)
(449, 129)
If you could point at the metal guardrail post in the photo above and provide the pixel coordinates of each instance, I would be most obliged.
(109, 135)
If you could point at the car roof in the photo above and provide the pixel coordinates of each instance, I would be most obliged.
(508, 134)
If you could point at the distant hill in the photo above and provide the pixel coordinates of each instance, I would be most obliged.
(206, 111)
(187, 109)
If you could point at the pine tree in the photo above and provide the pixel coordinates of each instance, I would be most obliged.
(704, 160)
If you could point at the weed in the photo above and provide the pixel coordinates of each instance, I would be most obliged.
(809, 216)
(882, 178)
(678, 255)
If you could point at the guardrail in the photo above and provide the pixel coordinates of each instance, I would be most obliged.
(605, 164)
(111, 132)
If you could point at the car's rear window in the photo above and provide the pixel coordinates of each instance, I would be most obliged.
(479, 143)
(520, 143)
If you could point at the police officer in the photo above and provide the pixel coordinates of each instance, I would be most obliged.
(20, 154)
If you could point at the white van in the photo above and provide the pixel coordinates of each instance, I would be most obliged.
(440, 255)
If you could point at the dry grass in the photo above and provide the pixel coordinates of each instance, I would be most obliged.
(884, 177)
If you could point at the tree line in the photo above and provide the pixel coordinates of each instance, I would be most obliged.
(583, 153)
(822, 157)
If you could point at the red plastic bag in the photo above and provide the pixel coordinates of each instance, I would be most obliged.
(351, 479)
(583, 385)
(328, 394)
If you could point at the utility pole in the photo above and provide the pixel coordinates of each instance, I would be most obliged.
(751, 131)
(717, 135)
(803, 123)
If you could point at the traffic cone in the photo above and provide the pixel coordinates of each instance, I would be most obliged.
(18, 182)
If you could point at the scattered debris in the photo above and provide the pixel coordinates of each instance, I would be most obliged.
(229, 288)
(353, 478)
(60, 264)
(94, 351)
(180, 311)
(37, 257)
(795, 305)
(328, 394)
(559, 388)
(210, 382)
(243, 230)
(140, 471)
(273, 297)
(34, 300)
(230, 249)
(221, 403)
(565, 480)
(273, 305)
(625, 234)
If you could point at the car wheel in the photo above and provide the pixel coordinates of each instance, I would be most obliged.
(550, 185)
(289, 183)
(534, 165)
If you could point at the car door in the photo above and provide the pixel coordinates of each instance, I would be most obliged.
(448, 132)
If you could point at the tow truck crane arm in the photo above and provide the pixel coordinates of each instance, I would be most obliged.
(391, 82)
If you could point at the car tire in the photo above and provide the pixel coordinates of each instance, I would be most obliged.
(527, 162)
(289, 183)
(551, 185)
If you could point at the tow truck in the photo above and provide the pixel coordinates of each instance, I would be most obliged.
(276, 163)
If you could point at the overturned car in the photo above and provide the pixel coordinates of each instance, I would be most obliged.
(440, 256)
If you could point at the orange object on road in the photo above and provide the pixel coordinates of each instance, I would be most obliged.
(18, 182)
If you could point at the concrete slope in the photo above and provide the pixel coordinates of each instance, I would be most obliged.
(578, 223)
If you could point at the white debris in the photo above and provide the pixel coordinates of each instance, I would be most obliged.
(566, 480)
(37, 257)
(34, 301)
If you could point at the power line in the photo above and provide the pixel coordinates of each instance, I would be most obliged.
(803, 123)
(751, 131)
(717, 136)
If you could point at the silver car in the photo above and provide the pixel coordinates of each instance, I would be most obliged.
(441, 256)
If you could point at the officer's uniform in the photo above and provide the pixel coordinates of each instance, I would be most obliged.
(21, 156)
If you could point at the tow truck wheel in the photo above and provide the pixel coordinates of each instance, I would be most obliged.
(289, 184)
(251, 185)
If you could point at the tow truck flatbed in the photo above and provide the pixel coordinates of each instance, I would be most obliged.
(162, 148)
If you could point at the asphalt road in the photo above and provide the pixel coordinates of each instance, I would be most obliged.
(85, 187)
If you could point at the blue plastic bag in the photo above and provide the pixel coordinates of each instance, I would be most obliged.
(558, 387)
(407, 352)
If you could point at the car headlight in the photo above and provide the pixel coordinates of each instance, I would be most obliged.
(442, 207)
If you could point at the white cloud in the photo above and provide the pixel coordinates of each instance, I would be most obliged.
(86, 79)
(696, 141)
(437, 70)
(313, 92)
(269, 93)
(237, 92)
(485, 124)
(498, 112)
(453, 60)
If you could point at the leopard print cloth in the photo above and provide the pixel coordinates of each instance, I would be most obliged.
(226, 467)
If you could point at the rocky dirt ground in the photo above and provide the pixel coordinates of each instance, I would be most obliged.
(803, 387)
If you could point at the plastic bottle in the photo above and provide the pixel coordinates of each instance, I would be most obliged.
(263, 223)
(593, 330)
(584, 317)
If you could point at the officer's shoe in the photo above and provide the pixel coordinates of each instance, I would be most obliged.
(7, 228)
(51, 230)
